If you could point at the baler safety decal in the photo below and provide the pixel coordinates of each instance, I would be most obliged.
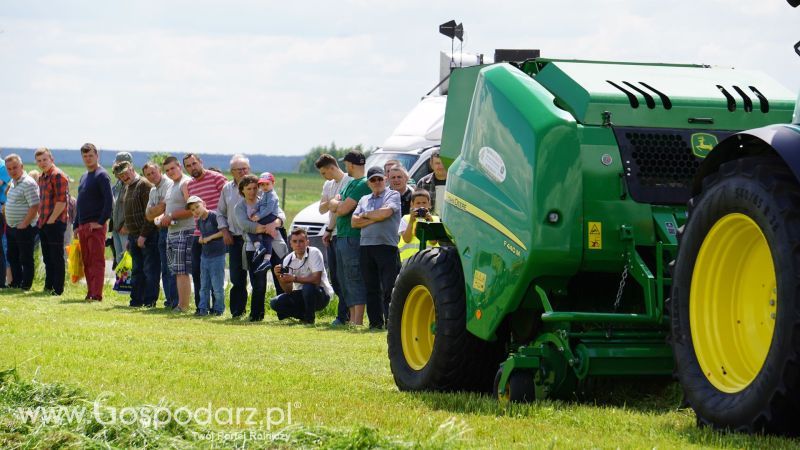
(595, 235)
(468, 207)
(479, 281)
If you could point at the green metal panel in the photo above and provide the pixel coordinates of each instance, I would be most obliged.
(693, 92)
(460, 90)
(606, 203)
(516, 140)
(634, 357)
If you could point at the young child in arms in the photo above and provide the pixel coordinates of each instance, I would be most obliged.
(266, 212)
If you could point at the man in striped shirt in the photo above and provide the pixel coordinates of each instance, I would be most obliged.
(22, 211)
(207, 185)
(53, 189)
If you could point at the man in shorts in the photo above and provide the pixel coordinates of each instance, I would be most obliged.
(181, 227)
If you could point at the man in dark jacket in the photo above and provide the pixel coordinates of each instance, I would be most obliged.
(142, 237)
(93, 210)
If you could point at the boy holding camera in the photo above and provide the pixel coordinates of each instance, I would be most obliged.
(420, 210)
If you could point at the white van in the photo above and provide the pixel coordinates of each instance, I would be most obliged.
(412, 143)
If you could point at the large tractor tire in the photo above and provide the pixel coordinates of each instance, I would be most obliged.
(735, 308)
(430, 348)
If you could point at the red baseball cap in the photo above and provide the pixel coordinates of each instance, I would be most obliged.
(266, 177)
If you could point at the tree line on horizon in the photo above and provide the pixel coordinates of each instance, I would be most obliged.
(307, 163)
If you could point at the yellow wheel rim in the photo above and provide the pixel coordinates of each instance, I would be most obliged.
(732, 303)
(418, 327)
(506, 396)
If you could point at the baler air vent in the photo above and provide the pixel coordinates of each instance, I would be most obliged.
(648, 98)
(763, 103)
(729, 98)
(664, 99)
(660, 164)
(663, 159)
(631, 98)
(748, 104)
(761, 99)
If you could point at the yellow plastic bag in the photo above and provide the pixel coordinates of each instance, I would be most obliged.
(123, 271)
(75, 261)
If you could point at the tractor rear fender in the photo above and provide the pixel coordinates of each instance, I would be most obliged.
(781, 140)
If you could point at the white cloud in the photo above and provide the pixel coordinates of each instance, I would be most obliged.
(280, 78)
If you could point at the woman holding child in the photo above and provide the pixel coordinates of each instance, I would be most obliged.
(244, 210)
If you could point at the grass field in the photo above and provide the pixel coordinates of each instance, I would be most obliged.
(337, 381)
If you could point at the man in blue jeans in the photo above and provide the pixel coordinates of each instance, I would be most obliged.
(348, 239)
(303, 279)
(156, 205)
(142, 237)
(335, 180)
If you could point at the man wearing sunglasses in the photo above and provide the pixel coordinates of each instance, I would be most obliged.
(378, 217)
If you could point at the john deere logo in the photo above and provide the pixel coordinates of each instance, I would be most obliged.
(702, 143)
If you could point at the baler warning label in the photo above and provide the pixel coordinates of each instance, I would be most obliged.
(479, 281)
(595, 235)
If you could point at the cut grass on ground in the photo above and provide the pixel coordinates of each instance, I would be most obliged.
(337, 381)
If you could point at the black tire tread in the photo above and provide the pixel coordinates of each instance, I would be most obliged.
(460, 361)
(780, 405)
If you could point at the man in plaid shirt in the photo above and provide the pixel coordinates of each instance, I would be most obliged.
(142, 236)
(53, 189)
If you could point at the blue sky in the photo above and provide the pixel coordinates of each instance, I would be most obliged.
(280, 77)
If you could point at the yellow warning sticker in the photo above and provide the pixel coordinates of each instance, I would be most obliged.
(479, 281)
(595, 235)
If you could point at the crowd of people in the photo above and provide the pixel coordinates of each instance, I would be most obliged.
(179, 220)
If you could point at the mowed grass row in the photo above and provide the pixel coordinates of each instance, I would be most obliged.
(334, 378)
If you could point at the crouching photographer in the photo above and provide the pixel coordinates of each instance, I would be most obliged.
(303, 279)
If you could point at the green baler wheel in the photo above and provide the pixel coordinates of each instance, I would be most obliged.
(429, 345)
